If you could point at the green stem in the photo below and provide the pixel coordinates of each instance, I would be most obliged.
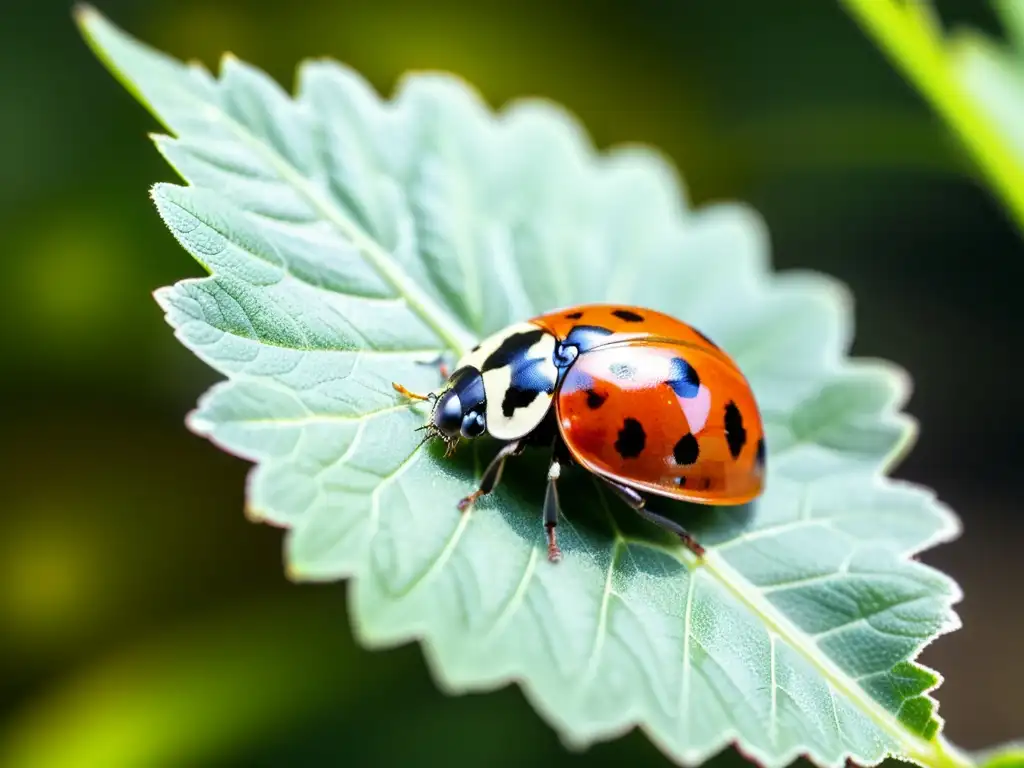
(910, 36)
(943, 755)
(1012, 14)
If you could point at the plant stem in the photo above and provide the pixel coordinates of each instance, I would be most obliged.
(942, 754)
(910, 36)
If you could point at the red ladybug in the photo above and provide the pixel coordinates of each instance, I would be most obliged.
(645, 402)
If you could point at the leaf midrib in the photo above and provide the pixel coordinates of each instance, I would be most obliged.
(777, 625)
(371, 250)
(421, 304)
(443, 325)
(799, 641)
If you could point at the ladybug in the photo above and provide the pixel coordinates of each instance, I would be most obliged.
(645, 402)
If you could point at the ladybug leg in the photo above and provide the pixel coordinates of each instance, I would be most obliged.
(639, 505)
(492, 474)
(551, 510)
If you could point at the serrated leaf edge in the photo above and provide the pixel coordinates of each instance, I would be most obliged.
(454, 335)
(457, 339)
(917, 748)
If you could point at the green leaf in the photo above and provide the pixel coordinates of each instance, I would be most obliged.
(975, 86)
(994, 74)
(1005, 756)
(350, 240)
(1011, 758)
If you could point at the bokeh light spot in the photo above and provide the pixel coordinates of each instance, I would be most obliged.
(51, 590)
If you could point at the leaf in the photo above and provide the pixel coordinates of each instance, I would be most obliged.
(994, 74)
(1005, 756)
(973, 85)
(350, 240)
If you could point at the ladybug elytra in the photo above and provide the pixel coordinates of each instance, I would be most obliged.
(645, 402)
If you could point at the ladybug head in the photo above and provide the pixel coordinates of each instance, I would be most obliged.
(460, 411)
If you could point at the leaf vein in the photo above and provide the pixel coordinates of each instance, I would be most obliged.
(773, 718)
(374, 253)
(684, 692)
(866, 619)
(602, 617)
(518, 595)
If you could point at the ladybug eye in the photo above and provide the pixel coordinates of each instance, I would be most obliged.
(448, 413)
(473, 424)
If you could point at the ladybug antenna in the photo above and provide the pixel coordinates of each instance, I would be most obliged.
(449, 445)
(433, 432)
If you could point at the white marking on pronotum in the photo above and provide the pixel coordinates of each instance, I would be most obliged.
(523, 420)
(491, 343)
(543, 349)
(498, 381)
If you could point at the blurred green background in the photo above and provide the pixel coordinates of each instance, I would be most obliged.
(146, 622)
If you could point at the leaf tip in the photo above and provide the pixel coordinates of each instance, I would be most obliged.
(85, 15)
(91, 26)
(161, 194)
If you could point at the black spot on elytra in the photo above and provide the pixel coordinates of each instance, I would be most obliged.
(474, 349)
(704, 336)
(622, 370)
(735, 434)
(759, 457)
(627, 316)
(702, 483)
(515, 346)
(595, 399)
(574, 316)
(683, 378)
(517, 398)
(631, 439)
(687, 450)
